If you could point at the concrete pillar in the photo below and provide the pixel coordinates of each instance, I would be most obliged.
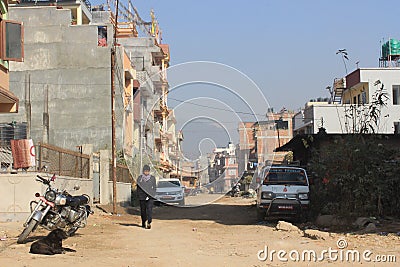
(105, 195)
(79, 15)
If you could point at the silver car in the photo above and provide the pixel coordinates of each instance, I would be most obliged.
(170, 191)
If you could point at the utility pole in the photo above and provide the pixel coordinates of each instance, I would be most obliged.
(28, 106)
(113, 142)
(278, 125)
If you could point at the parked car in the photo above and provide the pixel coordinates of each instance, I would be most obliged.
(170, 191)
(283, 192)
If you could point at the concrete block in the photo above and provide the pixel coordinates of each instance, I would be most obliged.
(286, 226)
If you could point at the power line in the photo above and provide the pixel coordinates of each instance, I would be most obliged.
(221, 109)
(120, 85)
(233, 111)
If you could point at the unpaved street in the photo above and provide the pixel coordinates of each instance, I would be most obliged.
(224, 233)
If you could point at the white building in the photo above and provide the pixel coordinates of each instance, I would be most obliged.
(351, 101)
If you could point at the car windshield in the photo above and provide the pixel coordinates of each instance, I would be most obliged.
(163, 184)
(285, 176)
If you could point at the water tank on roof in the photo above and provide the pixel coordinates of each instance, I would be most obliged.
(391, 48)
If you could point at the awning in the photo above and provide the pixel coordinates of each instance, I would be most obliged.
(8, 102)
(129, 74)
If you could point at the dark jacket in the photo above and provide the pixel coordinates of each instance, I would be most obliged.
(146, 189)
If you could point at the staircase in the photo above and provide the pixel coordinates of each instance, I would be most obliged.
(339, 86)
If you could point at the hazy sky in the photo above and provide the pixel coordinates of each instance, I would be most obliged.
(287, 47)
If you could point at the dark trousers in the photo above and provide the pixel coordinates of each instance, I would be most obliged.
(146, 210)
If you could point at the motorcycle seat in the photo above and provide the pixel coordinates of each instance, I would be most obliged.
(75, 201)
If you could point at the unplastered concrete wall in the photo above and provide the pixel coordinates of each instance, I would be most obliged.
(65, 67)
(124, 191)
(140, 49)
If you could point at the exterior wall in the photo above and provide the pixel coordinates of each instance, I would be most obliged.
(144, 53)
(8, 101)
(128, 106)
(124, 191)
(66, 61)
(269, 137)
(364, 79)
(17, 190)
(4, 76)
(247, 147)
(106, 186)
(358, 94)
(4, 79)
(332, 116)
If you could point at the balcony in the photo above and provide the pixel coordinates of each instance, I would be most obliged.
(59, 2)
(84, 16)
(146, 84)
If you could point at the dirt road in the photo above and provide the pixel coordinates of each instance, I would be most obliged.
(224, 233)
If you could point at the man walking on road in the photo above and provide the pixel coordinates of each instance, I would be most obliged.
(146, 189)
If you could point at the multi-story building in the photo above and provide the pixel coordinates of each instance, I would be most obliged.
(354, 96)
(68, 72)
(64, 82)
(247, 150)
(258, 140)
(157, 127)
(11, 49)
(223, 171)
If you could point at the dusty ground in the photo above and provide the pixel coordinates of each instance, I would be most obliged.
(224, 233)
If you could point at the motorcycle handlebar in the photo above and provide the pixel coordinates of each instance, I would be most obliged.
(43, 180)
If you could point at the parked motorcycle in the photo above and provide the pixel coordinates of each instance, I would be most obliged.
(56, 210)
(235, 192)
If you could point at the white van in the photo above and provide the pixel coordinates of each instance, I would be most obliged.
(283, 192)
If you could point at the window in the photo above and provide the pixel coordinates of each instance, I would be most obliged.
(102, 35)
(12, 40)
(396, 94)
(281, 124)
(285, 176)
(364, 97)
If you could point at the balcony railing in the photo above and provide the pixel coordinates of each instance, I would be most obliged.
(86, 2)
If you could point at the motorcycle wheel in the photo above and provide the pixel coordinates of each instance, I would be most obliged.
(28, 229)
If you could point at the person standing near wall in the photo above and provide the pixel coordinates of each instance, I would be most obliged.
(146, 189)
